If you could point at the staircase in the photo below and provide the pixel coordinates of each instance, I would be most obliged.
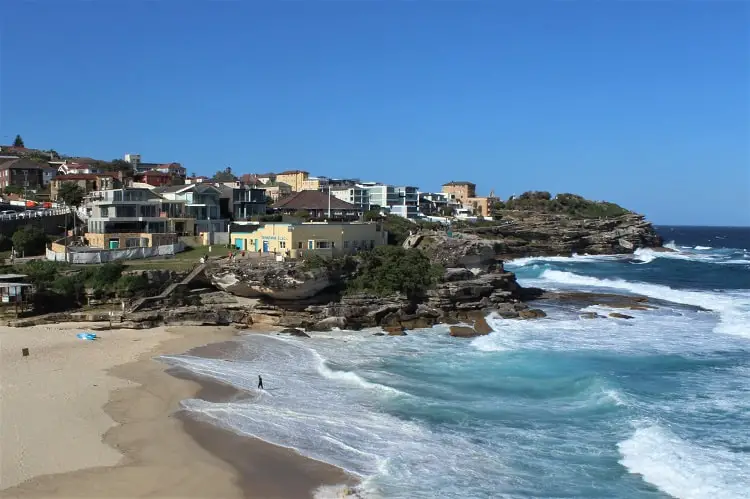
(165, 294)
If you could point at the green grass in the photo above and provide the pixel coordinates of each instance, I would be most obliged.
(184, 260)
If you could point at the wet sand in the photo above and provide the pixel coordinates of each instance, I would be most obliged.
(78, 422)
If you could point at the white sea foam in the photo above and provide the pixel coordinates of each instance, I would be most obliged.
(683, 469)
(693, 254)
(733, 308)
(702, 248)
(575, 258)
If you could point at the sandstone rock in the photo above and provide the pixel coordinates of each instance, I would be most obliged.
(590, 315)
(294, 332)
(618, 315)
(329, 323)
(379, 334)
(464, 332)
(532, 313)
(394, 331)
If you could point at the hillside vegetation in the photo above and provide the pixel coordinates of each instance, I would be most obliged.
(572, 205)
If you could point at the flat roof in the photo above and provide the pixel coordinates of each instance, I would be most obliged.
(14, 285)
(5, 277)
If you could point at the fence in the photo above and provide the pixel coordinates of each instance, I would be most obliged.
(88, 256)
(24, 215)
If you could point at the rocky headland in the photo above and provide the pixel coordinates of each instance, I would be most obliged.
(436, 275)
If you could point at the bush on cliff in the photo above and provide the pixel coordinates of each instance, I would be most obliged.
(60, 286)
(571, 205)
(398, 228)
(393, 269)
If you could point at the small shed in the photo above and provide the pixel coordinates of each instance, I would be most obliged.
(15, 292)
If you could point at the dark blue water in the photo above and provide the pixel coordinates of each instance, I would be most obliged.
(648, 407)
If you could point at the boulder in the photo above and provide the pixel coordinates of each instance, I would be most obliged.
(294, 332)
(464, 332)
(532, 313)
(618, 315)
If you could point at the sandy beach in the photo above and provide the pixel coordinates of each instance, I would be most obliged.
(97, 419)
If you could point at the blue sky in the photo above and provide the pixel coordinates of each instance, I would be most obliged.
(643, 103)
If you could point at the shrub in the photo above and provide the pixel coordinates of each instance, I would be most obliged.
(131, 285)
(392, 269)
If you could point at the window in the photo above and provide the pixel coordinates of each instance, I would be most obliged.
(322, 244)
(346, 244)
(299, 245)
(282, 244)
(372, 243)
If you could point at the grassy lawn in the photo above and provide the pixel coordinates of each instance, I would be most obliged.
(185, 260)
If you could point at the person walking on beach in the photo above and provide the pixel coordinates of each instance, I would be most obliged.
(260, 382)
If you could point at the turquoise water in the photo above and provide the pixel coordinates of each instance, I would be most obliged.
(655, 406)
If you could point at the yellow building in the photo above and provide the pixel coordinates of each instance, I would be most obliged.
(461, 191)
(482, 206)
(294, 178)
(297, 239)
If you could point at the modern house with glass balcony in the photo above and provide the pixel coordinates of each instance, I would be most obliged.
(201, 202)
(127, 218)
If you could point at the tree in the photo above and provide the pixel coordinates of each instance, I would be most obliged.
(71, 194)
(371, 215)
(30, 241)
(13, 189)
(18, 142)
(224, 176)
(120, 165)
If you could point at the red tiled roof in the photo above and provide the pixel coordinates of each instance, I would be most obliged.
(312, 200)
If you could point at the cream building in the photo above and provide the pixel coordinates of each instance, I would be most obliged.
(294, 178)
(325, 239)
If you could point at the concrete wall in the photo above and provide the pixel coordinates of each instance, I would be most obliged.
(52, 224)
(102, 240)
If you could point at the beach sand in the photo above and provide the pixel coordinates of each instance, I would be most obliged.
(97, 419)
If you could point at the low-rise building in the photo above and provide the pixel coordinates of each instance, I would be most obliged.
(76, 168)
(317, 206)
(202, 202)
(241, 202)
(353, 195)
(277, 190)
(481, 205)
(461, 190)
(127, 218)
(438, 203)
(88, 182)
(154, 177)
(322, 238)
(315, 184)
(21, 173)
(294, 178)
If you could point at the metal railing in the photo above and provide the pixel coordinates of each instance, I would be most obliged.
(22, 215)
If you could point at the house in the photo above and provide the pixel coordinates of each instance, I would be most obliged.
(379, 195)
(353, 195)
(437, 203)
(323, 238)
(294, 178)
(154, 177)
(407, 205)
(21, 173)
(277, 190)
(76, 168)
(257, 178)
(318, 206)
(48, 173)
(481, 205)
(240, 202)
(399, 200)
(315, 184)
(196, 180)
(87, 182)
(128, 218)
(16, 291)
(172, 169)
(460, 190)
(202, 202)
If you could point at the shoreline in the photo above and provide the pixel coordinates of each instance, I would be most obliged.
(117, 430)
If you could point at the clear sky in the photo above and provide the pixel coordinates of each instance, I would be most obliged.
(645, 103)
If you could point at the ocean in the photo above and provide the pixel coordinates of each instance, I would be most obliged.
(650, 407)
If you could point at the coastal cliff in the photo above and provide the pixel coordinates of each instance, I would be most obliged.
(523, 234)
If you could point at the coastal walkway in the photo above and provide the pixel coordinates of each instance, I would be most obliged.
(198, 270)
